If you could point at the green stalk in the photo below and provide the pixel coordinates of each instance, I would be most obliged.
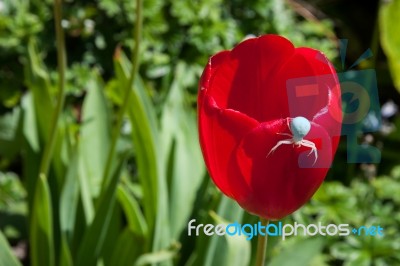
(135, 65)
(61, 61)
(262, 245)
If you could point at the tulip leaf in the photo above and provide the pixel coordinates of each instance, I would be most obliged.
(69, 199)
(94, 236)
(32, 158)
(29, 127)
(145, 138)
(223, 250)
(95, 134)
(181, 153)
(156, 257)
(61, 154)
(389, 14)
(37, 79)
(112, 235)
(127, 248)
(84, 185)
(41, 227)
(134, 215)
(238, 246)
(6, 255)
(65, 256)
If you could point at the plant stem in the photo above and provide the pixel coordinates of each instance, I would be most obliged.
(61, 61)
(122, 110)
(262, 245)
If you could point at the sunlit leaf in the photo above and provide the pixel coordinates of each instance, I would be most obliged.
(181, 152)
(136, 220)
(38, 81)
(95, 134)
(6, 255)
(389, 14)
(69, 199)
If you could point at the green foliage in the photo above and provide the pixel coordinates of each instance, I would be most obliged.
(376, 203)
(300, 253)
(173, 30)
(12, 193)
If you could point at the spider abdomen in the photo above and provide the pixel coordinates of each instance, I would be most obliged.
(299, 126)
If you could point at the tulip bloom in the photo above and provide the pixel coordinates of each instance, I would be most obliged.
(269, 123)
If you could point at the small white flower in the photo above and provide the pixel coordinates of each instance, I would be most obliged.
(89, 25)
(2, 6)
(65, 24)
(389, 109)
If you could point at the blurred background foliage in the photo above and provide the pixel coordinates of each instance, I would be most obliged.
(158, 181)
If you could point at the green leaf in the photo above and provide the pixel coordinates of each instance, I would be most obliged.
(226, 250)
(10, 140)
(181, 153)
(93, 239)
(134, 215)
(95, 134)
(389, 14)
(30, 130)
(31, 146)
(86, 196)
(145, 139)
(69, 199)
(301, 253)
(156, 257)
(127, 248)
(61, 156)
(38, 81)
(65, 256)
(6, 255)
(114, 229)
(238, 246)
(41, 227)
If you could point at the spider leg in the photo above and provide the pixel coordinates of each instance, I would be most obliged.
(285, 134)
(286, 141)
(310, 145)
(288, 125)
(288, 122)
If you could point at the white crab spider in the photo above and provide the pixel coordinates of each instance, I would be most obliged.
(299, 126)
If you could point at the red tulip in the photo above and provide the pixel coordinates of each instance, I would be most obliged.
(255, 150)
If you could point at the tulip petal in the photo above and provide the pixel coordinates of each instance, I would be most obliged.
(220, 132)
(209, 72)
(244, 81)
(314, 90)
(284, 180)
(326, 105)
